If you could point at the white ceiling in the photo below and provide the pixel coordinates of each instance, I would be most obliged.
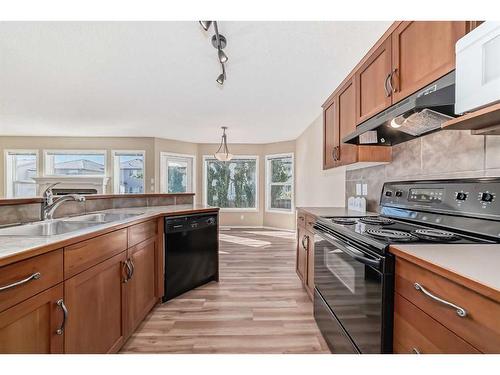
(157, 79)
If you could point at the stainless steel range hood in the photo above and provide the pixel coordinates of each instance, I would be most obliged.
(419, 114)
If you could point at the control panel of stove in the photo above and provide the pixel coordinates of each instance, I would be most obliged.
(475, 197)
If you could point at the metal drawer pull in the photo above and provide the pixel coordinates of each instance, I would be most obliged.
(460, 311)
(61, 304)
(415, 351)
(35, 276)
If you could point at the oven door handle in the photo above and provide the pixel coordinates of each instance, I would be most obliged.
(346, 249)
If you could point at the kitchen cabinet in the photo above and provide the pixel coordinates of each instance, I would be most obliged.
(373, 93)
(422, 51)
(141, 282)
(331, 136)
(96, 303)
(434, 314)
(31, 327)
(301, 261)
(305, 250)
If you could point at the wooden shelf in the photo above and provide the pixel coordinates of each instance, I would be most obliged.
(482, 121)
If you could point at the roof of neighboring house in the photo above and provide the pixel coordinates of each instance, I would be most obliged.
(80, 164)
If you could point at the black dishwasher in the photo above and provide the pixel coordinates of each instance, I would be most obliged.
(191, 253)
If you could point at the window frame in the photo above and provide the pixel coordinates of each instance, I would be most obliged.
(268, 185)
(257, 182)
(164, 155)
(116, 170)
(8, 183)
(74, 152)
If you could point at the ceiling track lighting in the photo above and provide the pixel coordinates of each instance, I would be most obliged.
(219, 42)
(222, 153)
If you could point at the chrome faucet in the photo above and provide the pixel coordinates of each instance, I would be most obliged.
(49, 204)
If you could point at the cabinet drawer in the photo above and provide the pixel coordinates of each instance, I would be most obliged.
(85, 254)
(480, 327)
(301, 219)
(416, 332)
(140, 232)
(310, 221)
(24, 279)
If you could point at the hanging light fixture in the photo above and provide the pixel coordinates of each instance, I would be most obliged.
(222, 153)
(219, 42)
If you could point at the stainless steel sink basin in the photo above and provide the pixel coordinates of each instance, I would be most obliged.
(101, 217)
(43, 229)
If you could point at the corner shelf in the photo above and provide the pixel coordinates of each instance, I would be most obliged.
(485, 121)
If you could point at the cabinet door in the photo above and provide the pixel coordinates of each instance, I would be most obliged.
(31, 326)
(423, 51)
(141, 287)
(346, 118)
(310, 263)
(331, 136)
(371, 79)
(302, 254)
(96, 305)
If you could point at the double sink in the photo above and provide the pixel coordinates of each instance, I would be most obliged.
(65, 225)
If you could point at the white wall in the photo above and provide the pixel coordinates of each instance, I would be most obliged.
(314, 186)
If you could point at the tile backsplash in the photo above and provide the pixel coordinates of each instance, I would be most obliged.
(444, 154)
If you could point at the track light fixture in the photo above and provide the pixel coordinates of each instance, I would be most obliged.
(219, 42)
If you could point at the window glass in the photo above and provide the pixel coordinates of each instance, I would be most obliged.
(74, 164)
(232, 184)
(176, 173)
(279, 187)
(21, 168)
(129, 172)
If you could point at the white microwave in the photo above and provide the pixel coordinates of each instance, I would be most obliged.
(478, 68)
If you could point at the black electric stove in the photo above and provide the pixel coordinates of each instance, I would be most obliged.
(354, 269)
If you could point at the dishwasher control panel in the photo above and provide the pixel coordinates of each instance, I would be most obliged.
(189, 223)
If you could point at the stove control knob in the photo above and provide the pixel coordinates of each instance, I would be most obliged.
(487, 197)
(211, 221)
(461, 196)
(388, 193)
(399, 193)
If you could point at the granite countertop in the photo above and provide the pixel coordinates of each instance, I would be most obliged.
(15, 248)
(475, 265)
(335, 211)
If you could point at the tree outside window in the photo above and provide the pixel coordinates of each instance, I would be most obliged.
(231, 184)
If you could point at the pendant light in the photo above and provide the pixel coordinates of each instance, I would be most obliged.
(222, 153)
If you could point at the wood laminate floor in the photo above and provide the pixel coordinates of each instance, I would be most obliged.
(259, 305)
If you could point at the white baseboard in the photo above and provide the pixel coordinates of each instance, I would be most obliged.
(229, 227)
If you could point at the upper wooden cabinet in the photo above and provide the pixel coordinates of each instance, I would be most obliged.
(409, 56)
(422, 51)
(331, 138)
(372, 83)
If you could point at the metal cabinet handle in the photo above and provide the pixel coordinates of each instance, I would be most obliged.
(415, 351)
(305, 240)
(132, 268)
(334, 153)
(127, 272)
(61, 304)
(460, 311)
(387, 92)
(393, 89)
(35, 276)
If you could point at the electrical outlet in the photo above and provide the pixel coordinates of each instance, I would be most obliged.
(365, 189)
(358, 188)
(242, 217)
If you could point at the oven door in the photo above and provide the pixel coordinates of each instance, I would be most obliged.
(351, 283)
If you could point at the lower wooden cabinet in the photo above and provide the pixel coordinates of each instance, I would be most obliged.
(141, 286)
(95, 300)
(305, 251)
(32, 325)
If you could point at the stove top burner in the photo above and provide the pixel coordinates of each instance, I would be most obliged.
(392, 235)
(435, 235)
(344, 220)
(376, 220)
